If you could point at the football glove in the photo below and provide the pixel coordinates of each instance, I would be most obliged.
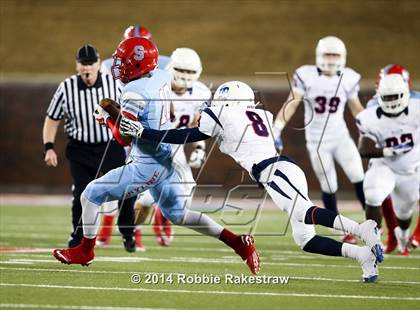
(129, 127)
(100, 115)
(197, 157)
(397, 150)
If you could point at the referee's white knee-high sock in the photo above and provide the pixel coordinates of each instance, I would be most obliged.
(201, 223)
(90, 217)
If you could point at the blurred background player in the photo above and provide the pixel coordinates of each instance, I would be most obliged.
(189, 97)
(145, 100)
(325, 89)
(390, 132)
(74, 101)
(387, 207)
(135, 31)
(229, 119)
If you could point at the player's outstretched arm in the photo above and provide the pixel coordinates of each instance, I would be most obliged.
(174, 136)
(367, 149)
(355, 106)
(287, 110)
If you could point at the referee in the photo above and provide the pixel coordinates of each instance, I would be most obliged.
(74, 101)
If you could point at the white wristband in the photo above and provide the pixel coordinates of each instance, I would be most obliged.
(201, 145)
(387, 152)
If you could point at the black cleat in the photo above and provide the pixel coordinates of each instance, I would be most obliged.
(129, 244)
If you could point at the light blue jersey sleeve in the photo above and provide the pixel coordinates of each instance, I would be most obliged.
(133, 101)
(163, 62)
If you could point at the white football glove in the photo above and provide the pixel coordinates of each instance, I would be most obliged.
(197, 157)
(100, 115)
(129, 127)
(397, 150)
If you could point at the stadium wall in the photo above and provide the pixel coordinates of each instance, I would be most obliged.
(23, 106)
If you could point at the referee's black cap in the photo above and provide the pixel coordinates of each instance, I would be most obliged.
(87, 54)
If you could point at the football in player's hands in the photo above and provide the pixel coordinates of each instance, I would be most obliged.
(197, 158)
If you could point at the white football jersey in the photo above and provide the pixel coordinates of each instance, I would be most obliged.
(244, 134)
(392, 131)
(192, 101)
(325, 98)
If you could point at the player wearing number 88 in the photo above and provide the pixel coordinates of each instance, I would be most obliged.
(325, 89)
(243, 132)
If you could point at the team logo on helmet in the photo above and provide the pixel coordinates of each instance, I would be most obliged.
(224, 90)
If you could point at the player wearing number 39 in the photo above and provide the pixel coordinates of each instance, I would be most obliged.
(244, 133)
(325, 88)
(390, 133)
(145, 100)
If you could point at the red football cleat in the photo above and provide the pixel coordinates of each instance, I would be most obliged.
(138, 240)
(168, 231)
(349, 238)
(245, 249)
(391, 242)
(415, 237)
(406, 252)
(105, 233)
(158, 228)
(82, 254)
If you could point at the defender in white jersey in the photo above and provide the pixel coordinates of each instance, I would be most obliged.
(189, 96)
(325, 90)
(244, 133)
(390, 132)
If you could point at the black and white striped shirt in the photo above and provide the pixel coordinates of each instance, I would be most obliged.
(75, 102)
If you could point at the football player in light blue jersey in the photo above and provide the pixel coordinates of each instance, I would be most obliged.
(105, 232)
(145, 99)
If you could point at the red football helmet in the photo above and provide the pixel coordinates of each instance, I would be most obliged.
(137, 31)
(397, 69)
(134, 58)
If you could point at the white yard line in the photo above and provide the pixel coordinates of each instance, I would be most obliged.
(210, 292)
(201, 260)
(278, 253)
(71, 307)
(220, 275)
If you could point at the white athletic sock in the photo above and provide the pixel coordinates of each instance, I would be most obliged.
(347, 225)
(350, 250)
(201, 223)
(90, 218)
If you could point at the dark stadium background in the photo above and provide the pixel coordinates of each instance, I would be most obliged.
(235, 39)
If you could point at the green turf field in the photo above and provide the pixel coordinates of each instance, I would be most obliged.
(36, 280)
